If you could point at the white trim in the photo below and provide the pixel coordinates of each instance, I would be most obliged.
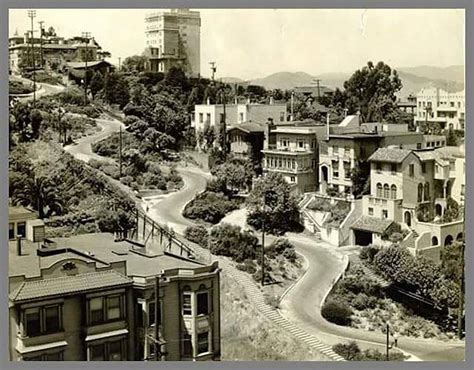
(21, 349)
(107, 334)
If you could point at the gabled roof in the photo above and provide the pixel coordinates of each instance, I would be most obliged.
(392, 155)
(82, 65)
(371, 224)
(29, 290)
(248, 127)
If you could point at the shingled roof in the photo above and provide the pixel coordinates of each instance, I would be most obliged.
(371, 224)
(35, 289)
(393, 155)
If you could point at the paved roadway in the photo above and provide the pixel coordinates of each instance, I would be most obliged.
(46, 89)
(303, 301)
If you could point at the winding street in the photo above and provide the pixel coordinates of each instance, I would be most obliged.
(302, 302)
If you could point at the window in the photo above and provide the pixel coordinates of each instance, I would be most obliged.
(208, 117)
(202, 303)
(335, 169)
(347, 150)
(52, 320)
(187, 308)
(97, 353)
(423, 167)
(201, 117)
(221, 117)
(371, 211)
(300, 144)
(412, 170)
(33, 322)
(379, 190)
(115, 351)
(11, 231)
(187, 345)
(386, 191)
(292, 179)
(452, 165)
(241, 117)
(384, 213)
(56, 356)
(462, 189)
(203, 342)
(347, 170)
(420, 192)
(393, 168)
(427, 192)
(378, 167)
(335, 149)
(282, 116)
(418, 145)
(393, 191)
(113, 308)
(21, 229)
(151, 313)
(96, 310)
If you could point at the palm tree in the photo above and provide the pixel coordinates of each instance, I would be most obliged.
(38, 191)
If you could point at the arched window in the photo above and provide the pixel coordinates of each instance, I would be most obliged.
(434, 240)
(394, 191)
(420, 192)
(427, 192)
(379, 190)
(386, 191)
(448, 240)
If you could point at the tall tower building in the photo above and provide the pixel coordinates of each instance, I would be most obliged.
(173, 38)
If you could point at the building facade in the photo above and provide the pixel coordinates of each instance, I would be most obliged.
(351, 142)
(91, 297)
(173, 39)
(293, 152)
(435, 105)
(51, 53)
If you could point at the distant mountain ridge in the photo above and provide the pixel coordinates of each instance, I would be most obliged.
(413, 79)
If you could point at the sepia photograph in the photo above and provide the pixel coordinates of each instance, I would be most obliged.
(236, 184)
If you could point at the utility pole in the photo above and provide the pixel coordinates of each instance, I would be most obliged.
(32, 14)
(120, 153)
(291, 105)
(41, 43)
(319, 91)
(213, 70)
(157, 344)
(224, 125)
(86, 36)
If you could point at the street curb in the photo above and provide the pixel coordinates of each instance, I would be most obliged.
(341, 274)
(287, 290)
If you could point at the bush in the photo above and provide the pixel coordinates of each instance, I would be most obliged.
(197, 234)
(209, 207)
(17, 87)
(369, 252)
(320, 204)
(229, 240)
(337, 312)
(363, 301)
(352, 352)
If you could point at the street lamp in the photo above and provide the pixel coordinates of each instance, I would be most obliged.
(389, 345)
(268, 196)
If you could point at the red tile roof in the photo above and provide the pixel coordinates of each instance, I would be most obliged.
(29, 290)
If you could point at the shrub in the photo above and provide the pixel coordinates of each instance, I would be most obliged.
(363, 301)
(251, 269)
(283, 247)
(369, 252)
(337, 312)
(197, 234)
(209, 207)
(320, 204)
(229, 240)
(126, 180)
(350, 351)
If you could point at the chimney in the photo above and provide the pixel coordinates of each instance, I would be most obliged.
(18, 245)
(208, 101)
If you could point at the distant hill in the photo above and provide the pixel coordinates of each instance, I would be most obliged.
(413, 79)
(231, 80)
(283, 80)
(451, 73)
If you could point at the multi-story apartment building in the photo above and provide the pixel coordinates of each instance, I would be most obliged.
(412, 188)
(51, 53)
(435, 105)
(293, 152)
(173, 38)
(235, 114)
(91, 297)
(351, 141)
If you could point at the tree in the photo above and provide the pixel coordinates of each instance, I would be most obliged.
(360, 177)
(236, 174)
(393, 263)
(96, 84)
(350, 351)
(38, 191)
(135, 63)
(282, 213)
(371, 90)
(450, 261)
(116, 89)
(230, 240)
(209, 135)
(36, 119)
(451, 138)
(337, 312)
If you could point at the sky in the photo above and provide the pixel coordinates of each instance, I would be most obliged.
(253, 43)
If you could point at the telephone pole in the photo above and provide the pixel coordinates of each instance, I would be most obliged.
(319, 91)
(31, 15)
(461, 275)
(86, 36)
(41, 43)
